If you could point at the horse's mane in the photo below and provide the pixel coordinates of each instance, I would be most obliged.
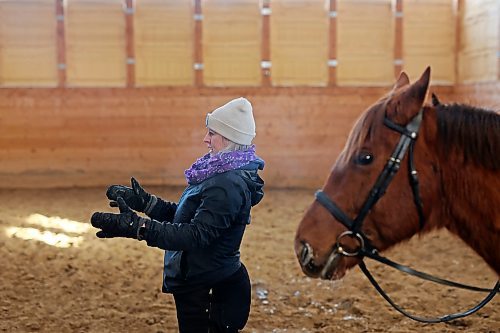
(472, 132)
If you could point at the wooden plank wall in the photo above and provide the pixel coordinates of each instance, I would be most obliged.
(479, 41)
(28, 51)
(485, 94)
(63, 137)
(93, 137)
(231, 43)
(429, 39)
(95, 44)
(86, 137)
(118, 43)
(163, 35)
(366, 36)
(299, 43)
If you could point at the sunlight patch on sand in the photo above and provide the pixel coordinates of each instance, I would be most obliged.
(47, 237)
(42, 222)
(56, 222)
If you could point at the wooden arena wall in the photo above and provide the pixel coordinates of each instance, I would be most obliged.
(245, 43)
(97, 91)
(93, 137)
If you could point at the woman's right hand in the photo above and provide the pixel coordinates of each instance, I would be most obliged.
(135, 197)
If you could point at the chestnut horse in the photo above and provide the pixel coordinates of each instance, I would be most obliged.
(366, 206)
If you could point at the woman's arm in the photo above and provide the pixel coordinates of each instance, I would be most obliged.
(216, 213)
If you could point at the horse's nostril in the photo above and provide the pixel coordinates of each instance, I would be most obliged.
(303, 253)
(306, 254)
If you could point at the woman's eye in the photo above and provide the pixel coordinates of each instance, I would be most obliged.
(364, 158)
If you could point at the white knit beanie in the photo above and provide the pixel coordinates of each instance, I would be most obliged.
(233, 121)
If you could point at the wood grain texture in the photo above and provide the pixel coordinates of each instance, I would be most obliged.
(91, 137)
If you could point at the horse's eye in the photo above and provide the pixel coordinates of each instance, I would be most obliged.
(363, 158)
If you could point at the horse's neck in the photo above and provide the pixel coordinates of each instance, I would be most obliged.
(467, 202)
(471, 211)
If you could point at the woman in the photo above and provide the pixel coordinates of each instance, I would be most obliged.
(202, 233)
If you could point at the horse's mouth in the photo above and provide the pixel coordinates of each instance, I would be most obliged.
(326, 269)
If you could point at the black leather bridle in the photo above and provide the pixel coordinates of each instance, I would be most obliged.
(406, 144)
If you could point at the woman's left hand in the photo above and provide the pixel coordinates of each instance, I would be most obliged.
(125, 224)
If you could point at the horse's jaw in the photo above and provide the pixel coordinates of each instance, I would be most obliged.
(327, 266)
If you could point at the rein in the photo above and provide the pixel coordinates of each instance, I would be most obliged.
(405, 144)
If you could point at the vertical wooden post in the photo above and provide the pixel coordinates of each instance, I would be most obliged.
(266, 44)
(498, 43)
(398, 41)
(460, 3)
(458, 37)
(332, 44)
(61, 44)
(129, 37)
(198, 44)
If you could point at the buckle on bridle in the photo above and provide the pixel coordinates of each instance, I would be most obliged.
(350, 234)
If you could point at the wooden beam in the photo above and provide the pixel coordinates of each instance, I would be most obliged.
(129, 36)
(398, 41)
(198, 45)
(266, 44)
(458, 37)
(61, 44)
(498, 42)
(332, 44)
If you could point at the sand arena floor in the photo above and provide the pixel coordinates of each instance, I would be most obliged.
(95, 285)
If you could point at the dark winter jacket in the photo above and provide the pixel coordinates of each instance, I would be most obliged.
(203, 232)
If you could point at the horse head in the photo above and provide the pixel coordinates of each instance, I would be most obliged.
(393, 218)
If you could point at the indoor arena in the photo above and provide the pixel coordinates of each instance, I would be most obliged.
(94, 92)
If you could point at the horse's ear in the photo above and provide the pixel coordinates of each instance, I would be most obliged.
(403, 80)
(435, 100)
(419, 89)
(407, 104)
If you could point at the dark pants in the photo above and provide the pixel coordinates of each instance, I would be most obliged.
(223, 307)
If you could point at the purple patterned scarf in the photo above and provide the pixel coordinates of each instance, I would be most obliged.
(208, 165)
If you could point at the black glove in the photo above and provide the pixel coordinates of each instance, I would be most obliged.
(125, 224)
(135, 197)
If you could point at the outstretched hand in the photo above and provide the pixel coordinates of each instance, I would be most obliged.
(125, 224)
(135, 197)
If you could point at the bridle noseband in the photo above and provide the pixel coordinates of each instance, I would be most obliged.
(406, 143)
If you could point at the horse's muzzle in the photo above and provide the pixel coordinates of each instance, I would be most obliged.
(307, 262)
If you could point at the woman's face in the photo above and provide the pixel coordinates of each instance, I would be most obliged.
(215, 142)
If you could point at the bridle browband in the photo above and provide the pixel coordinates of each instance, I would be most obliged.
(405, 144)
